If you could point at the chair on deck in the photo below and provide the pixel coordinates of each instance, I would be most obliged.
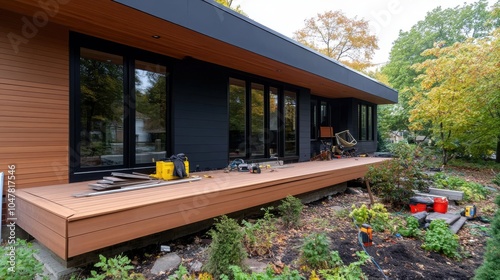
(345, 144)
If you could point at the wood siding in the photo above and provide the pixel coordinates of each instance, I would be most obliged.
(34, 105)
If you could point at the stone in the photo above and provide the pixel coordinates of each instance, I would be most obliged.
(337, 208)
(255, 266)
(196, 266)
(169, 262)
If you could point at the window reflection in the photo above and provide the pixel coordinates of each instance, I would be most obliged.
(101, 103)
(151, 111)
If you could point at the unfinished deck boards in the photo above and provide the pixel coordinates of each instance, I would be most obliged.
(71, 226)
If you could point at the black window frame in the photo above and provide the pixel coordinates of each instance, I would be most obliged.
(130, 55)
(369, 123)
(281, 88)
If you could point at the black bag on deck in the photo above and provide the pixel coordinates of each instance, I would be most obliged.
(179, 167)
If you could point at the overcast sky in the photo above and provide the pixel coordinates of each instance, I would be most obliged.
(386, 17)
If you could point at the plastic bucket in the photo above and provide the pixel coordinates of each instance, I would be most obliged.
(419, 207)
(441, 205)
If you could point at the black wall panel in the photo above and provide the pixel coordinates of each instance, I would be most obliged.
(200, 126)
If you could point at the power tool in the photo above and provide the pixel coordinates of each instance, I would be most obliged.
(470, 212)
(366, 235)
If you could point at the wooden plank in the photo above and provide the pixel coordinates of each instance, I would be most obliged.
(456, 226)
(450, 194)
(188, 214)
(28, 219)
(56, 209)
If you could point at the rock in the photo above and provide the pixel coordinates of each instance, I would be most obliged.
(169, 262)
(196, 266)
(353, 191)
(255, 266)
(337, 208)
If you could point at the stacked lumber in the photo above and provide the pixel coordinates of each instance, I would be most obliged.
(118, 180)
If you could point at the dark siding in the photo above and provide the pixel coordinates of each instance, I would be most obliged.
(200, 127)
(304, 115)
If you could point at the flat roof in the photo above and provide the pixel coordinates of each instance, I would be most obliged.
(216, 21)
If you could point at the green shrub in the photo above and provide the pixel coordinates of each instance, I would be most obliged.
(226, 248)
(412, 228)
(181, 274)
(259, 236)
(23, 265)
(238, 274)
(315, 252)
(496, 180)
(472, 191)
(290, 210)
(440, 239)
(118, 267)
(351, 271)
(377, 216)
(490, 269)
(394, 180)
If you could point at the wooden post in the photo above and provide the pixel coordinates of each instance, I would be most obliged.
(367, 183)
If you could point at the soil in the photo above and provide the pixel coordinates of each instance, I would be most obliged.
(398, 258)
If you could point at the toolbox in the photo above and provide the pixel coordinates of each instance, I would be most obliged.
(165, 169)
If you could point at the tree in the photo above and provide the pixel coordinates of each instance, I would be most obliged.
(335, 35)
(447, 26)
(458, 99)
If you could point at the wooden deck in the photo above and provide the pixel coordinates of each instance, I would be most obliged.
(71, 226)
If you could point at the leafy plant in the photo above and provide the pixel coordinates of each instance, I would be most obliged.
(472, 191)
(412, 228)
(118, 267)
(351, 271)
(238, 274)
(181, 274)
(17, 261)
(496, 180)
(377, 216)
(395, 180)
(290, 210)
(316, 254)
(259, 236)
(440, 239)
(226, 248)
(490, 269)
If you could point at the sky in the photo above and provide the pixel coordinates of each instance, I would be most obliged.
(386, 17)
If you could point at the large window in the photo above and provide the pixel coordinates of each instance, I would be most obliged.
(101, 109)
(119, 108)
(290, 113)
(237, 119)
(262, 120)
(365, 124)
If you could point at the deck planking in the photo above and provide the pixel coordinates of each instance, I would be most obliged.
(71, 226)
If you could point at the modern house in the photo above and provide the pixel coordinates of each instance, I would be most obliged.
(96, 86)
(77, 77)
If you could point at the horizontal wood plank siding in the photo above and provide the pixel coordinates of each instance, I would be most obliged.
(34, 103)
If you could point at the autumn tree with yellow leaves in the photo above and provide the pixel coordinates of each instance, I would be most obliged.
(339, 37)
(458, 101)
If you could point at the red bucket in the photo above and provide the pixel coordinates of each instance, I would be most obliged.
(441, 205)
(419, 207)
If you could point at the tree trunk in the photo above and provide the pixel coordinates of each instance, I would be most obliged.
(445, 157)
